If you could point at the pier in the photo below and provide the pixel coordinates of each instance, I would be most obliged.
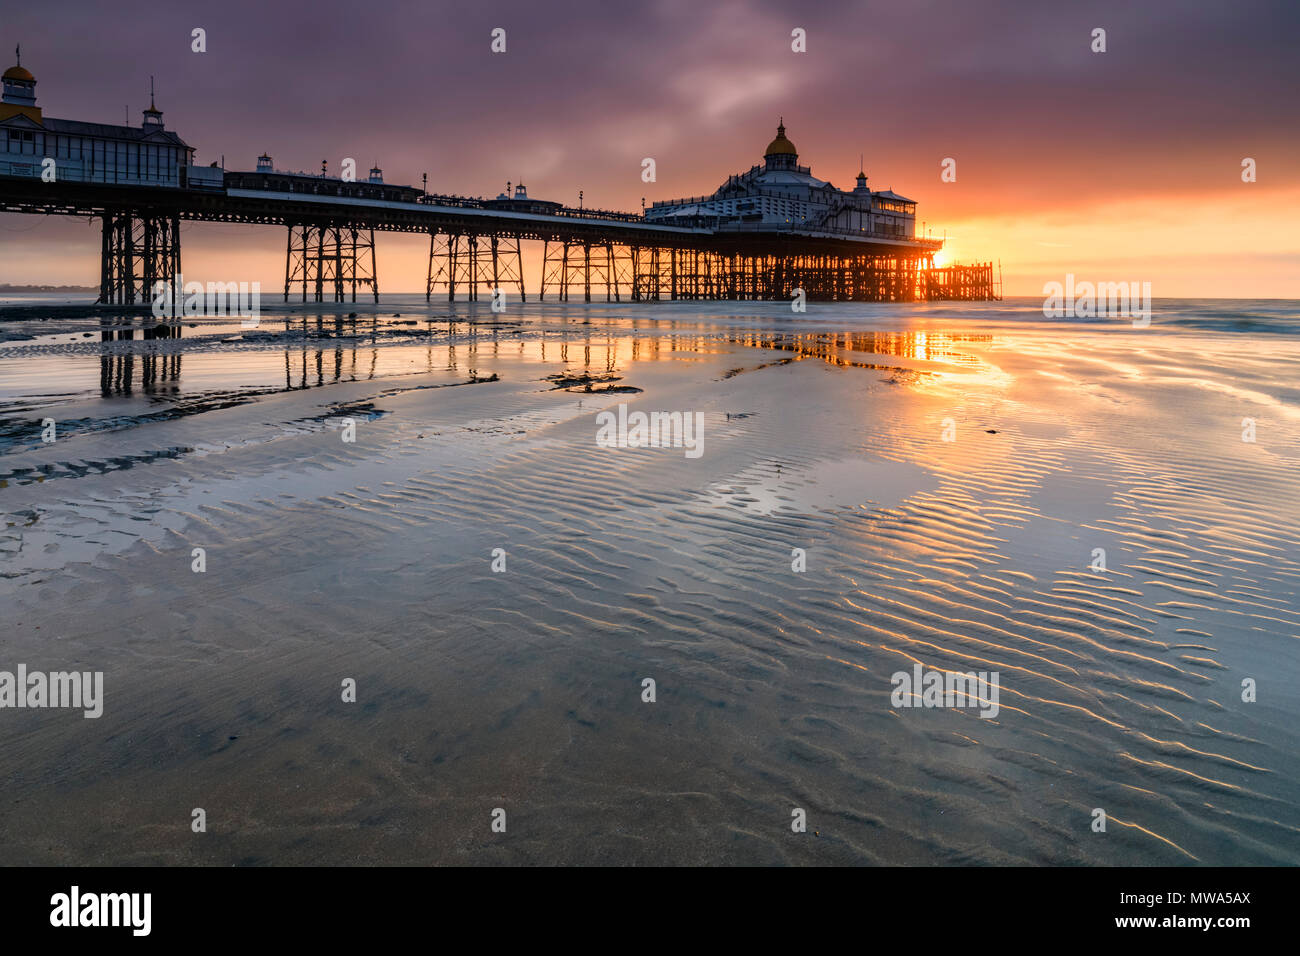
(767, 234)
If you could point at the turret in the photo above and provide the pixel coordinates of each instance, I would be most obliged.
(153, 115)
(19, 92)
(780, 153)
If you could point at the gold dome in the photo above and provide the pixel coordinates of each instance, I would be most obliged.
(781, 146)
(18, 73)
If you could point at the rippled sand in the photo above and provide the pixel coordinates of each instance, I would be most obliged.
(325, 560)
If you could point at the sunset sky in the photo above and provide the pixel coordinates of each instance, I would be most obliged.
(1123, 165)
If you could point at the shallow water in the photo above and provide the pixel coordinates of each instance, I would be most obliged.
(1121, 689)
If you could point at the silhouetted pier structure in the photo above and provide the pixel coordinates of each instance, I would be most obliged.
(764, 235)
(330, 253)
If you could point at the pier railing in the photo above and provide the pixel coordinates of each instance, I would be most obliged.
(609, 214)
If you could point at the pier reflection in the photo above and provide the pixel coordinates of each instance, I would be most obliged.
(308, 351)
(117, 368)
(841, 348)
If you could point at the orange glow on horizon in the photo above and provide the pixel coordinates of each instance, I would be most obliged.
(1234, 243)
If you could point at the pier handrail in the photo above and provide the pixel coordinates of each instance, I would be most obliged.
(610, 214)
(434, 199)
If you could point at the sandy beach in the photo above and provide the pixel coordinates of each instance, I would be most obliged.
(522, 689)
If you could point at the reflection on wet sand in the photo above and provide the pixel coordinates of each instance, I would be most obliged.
(328, 349)
(358, 342)
(837, 348)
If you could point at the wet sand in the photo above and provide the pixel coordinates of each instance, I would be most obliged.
(522, 690)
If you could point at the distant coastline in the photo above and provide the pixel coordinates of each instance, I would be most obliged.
(6, 288)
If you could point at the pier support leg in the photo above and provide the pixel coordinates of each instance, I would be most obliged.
(138, 248)
(647, 272)
(507, 265)
(551, 269)
(468, 261)
(338, 255)
(443, 250)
